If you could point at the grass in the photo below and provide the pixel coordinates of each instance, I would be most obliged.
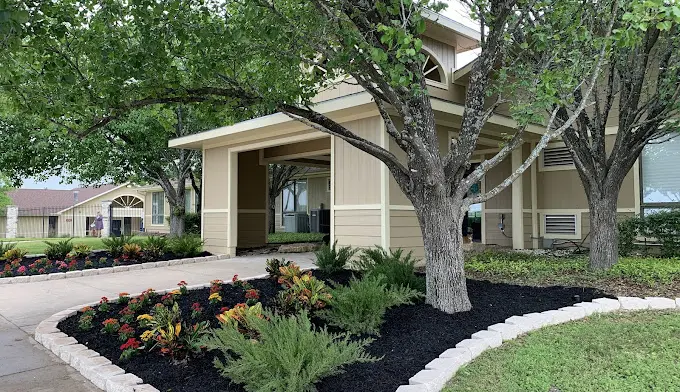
(291, 238)
(631, 275)
(37, 245)
(619, 352)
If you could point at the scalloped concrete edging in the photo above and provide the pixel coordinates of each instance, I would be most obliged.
(96, 368)
(440, 370)
(108, 270)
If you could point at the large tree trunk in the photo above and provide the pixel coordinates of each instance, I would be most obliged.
(604, 241)
(177, 225)
(440, 219)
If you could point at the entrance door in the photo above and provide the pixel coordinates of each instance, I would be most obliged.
(52, 226)
(127, 225)
(115, 227)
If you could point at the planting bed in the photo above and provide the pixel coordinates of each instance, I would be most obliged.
(411, 336)
(98, 259)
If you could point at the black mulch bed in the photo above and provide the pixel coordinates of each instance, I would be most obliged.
(411, 336)
(99, 259)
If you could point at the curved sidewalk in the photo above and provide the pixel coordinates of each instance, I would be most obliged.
(27, 366)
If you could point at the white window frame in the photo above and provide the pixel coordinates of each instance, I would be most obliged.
(578, 223)
(158, 208)
(444, 84)
(553, 168)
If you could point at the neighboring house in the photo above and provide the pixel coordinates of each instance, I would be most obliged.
(367, 208)
(127, 209)
(306, 192)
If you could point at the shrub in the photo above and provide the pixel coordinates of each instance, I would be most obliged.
(289, 355)
(288, 273)
(273, 267)
(80, 250)
(58, 249)
(329, 259)
(114, 245)
(306, 293)
(132, 251)
(5, 247)
(154, 247)
(14, 254)
(171, 335)
(650, 271)
(192, 224)
(397, 268)
(238, 318)
(360, 307)
(186, 246)
(663, 227)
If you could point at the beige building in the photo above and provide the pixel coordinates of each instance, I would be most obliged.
(127, 209)
(547, 203)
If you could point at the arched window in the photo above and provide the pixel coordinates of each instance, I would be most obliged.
(432, 70)
(128, 202)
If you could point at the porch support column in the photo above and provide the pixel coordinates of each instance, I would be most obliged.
(232, 200)
(106, 218)
(517, 202)
(12, 222)
(534, 202)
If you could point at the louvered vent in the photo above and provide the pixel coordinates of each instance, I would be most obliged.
(560, 224)
(557, 156)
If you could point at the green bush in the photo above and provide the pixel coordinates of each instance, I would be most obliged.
(650, 271)
(186, 246)
(329, 259)
(4, 248)
(360, 307)
(517, 264)
(81, 250)
(58, 250)
(397, 268)
(155, 246)
(662, 227)
(192, 223)
(114, 245)
(289, 355)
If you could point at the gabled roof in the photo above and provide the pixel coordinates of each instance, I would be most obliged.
(55, 198)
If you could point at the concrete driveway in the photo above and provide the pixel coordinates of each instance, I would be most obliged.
(27, 366)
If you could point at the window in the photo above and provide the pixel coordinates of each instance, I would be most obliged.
(187, 201)
(294, 197)
(157, 208)
(561, 226)
(432, 70)
(556, 158)
(660, 182)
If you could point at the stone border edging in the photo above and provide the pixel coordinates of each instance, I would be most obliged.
(440, 370)
(96, 368)
(108, 270)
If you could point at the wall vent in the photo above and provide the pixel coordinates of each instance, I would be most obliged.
(557, 156)
(560, 224)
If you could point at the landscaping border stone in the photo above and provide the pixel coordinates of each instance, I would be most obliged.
(108, 270)
(96, 368)
(439, 371)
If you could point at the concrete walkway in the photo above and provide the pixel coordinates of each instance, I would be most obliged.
(26, 366)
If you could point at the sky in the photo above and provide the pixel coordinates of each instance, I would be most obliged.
(455, 11)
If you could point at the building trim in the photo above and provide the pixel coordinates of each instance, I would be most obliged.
(401, 207)
(214, 210)
(636, 186)
(252, 211)
(203, 195)
(385, 190)
(350, 207)
(534, 202)
(578, 224)
(94, 197)
(332, 199)
(295, 156)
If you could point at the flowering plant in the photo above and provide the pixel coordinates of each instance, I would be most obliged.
(135, 304)
(127, 315)
(238, 316)
(102, 261)
(85, 320)
(183, 287)
(196, 310)
(61, 266)
(129, 348)
(123, 298)
(88, 263)
(7, 271)
(252, 295)
(42, 271)
(33, 268)
(216, 286)
(104, 305)
(21, 270)
(72, 265)
(111, 326)
(168, 299)
(215, 298)
(125, 332)
(288, 273)
(116, 262)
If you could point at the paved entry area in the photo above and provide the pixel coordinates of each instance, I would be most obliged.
(27, 366)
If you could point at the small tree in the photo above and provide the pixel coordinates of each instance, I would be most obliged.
(279, 177)
(640, 92)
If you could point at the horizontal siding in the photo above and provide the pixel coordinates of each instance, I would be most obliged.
(357, 228)
(215, 232)
(405, 233)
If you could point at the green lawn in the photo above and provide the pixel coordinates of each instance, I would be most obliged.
(289, 238)
(37, 245)
(631, 275)
(619, 352)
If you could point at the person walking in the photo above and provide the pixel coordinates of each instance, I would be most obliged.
(98, 225)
